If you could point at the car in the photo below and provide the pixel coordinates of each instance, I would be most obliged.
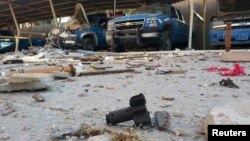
(158, 25)
(85, 32)
(7, 42)
(236, 13)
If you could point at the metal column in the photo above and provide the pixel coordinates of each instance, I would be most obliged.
(53, 12)
(204, 24)
(191, 3)
(114, 10)
(17, 36)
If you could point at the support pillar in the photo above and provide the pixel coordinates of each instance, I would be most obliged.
(17, 36)
(191, 3)
(114, 8)
(204, 24)
(228, 36)
(53, 12)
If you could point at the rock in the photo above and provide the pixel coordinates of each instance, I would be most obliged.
(235, 95)
(25, 81)
(119, 99)
(167, 98)
(178, 114)
(162, 120)
(231, 113)
(73, 138)
(60, 75)
(166, 105)
(216, 95)
(82, 95)
(38, 98)
(104, 137)
(4, 136)
(178, 133)
(8, 109)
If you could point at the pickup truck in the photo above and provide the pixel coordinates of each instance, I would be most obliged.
(159, 25)
(87, 32)
(237, 13)
(8, 44)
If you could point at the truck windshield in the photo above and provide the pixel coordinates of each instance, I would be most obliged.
(153, 9)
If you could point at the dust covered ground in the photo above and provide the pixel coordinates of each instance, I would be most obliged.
(86, 99)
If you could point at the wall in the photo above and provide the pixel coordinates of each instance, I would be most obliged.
(212, 10)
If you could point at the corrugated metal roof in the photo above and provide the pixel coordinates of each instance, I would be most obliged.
(31, 10)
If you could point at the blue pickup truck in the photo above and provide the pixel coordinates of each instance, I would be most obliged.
(236, 12)
(159, 25)
(87, 32)
(8, 44)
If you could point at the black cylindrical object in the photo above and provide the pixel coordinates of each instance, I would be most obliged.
(137, 112)
(120, 115)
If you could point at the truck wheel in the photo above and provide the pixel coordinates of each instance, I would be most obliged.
(166, 42)
(88, 44)
(117, 48)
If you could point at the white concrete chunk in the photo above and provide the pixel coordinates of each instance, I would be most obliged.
(231, 113)
(25, 81)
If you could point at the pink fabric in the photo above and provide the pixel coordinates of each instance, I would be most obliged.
(238, 70)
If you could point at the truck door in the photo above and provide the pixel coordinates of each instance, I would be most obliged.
(101, 31)
(184, 27)
(176, 27)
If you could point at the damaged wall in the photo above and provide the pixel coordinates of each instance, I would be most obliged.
(212, 10)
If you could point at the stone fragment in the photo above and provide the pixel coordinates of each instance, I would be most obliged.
(231, 113)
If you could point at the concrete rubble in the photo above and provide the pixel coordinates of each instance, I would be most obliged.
(23, 81)
(49, 94)
(232, 113)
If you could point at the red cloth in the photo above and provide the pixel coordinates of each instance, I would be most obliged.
(238, 70)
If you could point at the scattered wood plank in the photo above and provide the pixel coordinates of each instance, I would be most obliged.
(106, 72)
(92, 59)
(131, 57)
(235, 57)
(100, 67)
(69, 69)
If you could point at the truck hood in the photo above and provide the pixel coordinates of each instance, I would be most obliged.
(135, 17)
(233, 6)
(236, 17)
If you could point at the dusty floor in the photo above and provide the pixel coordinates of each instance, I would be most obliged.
(87, 99)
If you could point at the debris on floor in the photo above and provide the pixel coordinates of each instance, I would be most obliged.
(173, 71)
(38, 98)
(183, 91)
(8, 108)
(167, 98)
(69, 69)
(162, 120)
(102, 72)
(88, 132)
(228, 83)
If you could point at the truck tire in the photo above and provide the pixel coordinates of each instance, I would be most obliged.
(88, 44)
(167, 43)
(117, 48)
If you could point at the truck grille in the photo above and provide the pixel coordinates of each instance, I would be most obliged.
(131, 24)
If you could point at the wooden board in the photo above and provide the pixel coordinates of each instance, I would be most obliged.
(235, 57)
